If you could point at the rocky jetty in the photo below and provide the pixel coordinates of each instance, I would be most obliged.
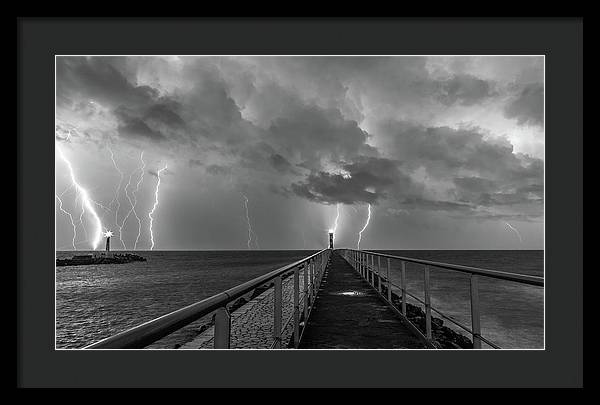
(117, 258)
(443, 337)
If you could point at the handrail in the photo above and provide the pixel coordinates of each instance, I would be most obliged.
(502, 275)
(364, 263)
(142, 335)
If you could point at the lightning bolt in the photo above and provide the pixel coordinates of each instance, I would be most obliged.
(116, 196)
(81, 219)
(86, 200)
(154, 207)
(364, 227)
(337, 217)
(133, 201)
(515, 230)
(60, 206)
(250, 231)
(137, 188)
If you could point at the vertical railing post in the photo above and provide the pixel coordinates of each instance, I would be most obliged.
(475, 320)
(403, 286)
(373, 270)
(379, 273)
(360, 264)
(314, 279)
(277, 313)
(222, 329)
(305, 275)
(389, 281)
(360, 268)
(427, 302)
(310, 280)
(296, 307)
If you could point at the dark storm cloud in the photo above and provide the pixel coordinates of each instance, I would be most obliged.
(100, 79)
(464, 89)
(165, 114)
(444, 150)
(131, 126)
(365, 180)
(280, 163)
(499, 177)
(314, 134)
(528, 106)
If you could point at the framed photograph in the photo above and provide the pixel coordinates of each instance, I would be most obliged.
(226, 194)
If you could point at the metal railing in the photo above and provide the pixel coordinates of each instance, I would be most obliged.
(312, 269)
(364, 263)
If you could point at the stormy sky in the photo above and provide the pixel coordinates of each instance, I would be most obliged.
(448, 151)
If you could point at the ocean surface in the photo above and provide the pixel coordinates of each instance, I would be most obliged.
(94, 302)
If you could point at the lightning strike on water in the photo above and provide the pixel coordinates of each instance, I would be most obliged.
(86, 200)
(60, 206)
(364, 227)
(128, 213)
(515, 230)
(250, 231)
(337, 217)
(248, 220)
(116, 196)
(133, 199)
(154, 207)
(137, 188)
(81, 220)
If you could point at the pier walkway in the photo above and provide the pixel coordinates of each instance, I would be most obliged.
(349, 314)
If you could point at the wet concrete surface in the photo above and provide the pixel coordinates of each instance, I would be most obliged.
(348, 314)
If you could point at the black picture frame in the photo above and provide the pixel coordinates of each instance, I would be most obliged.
(559, 365)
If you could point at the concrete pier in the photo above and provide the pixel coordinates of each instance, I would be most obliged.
(349, 314)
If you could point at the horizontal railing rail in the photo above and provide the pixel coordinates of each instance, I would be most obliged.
(502, 275)
(149, 332)
(364, 263)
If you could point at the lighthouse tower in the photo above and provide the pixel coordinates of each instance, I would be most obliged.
(330, 239)
(108, 234)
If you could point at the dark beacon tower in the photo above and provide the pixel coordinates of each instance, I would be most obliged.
(107, 244)
(330, 239)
